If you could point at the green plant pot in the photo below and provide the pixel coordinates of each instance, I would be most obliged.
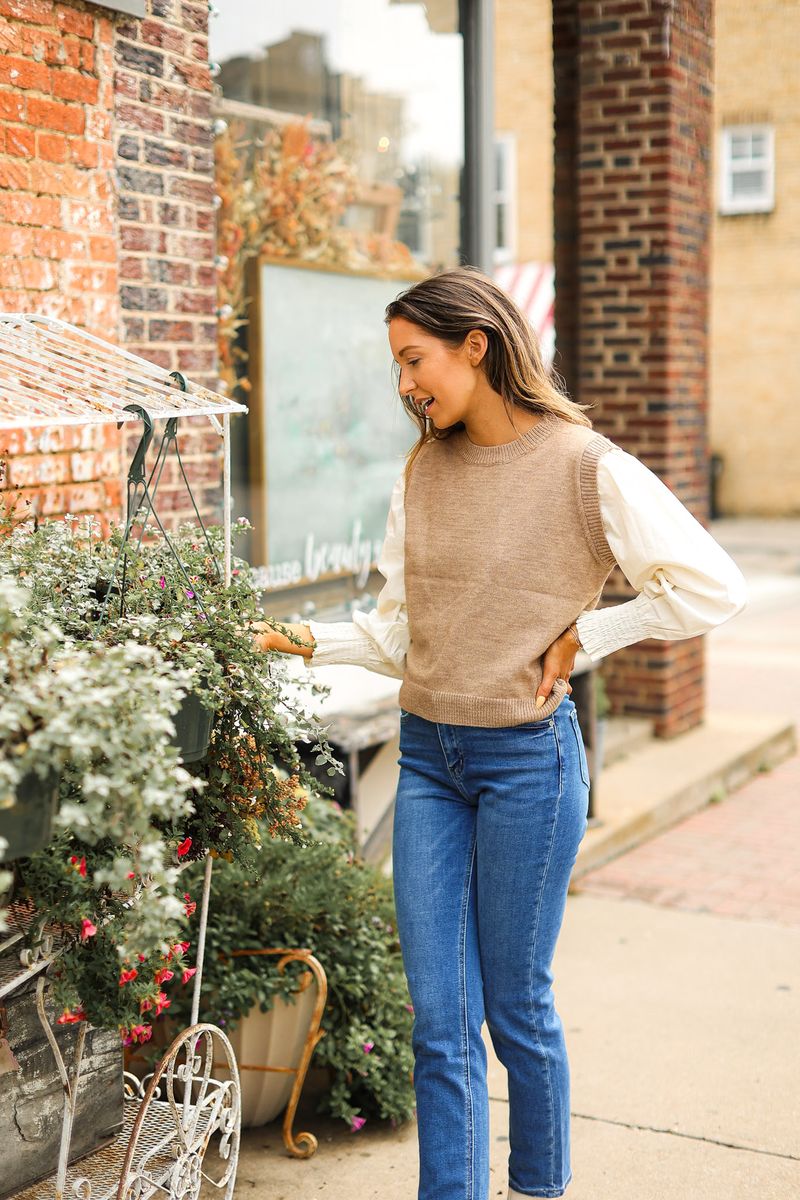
(192, 728)
(27, 825)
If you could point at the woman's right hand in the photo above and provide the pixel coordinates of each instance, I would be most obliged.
(269, 638)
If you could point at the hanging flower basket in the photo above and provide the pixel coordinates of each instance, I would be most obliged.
(193, 723)
(27, 825)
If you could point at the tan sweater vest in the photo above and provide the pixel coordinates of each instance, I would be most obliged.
(504, 547)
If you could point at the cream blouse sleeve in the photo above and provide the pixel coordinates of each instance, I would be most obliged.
(377, 639)
(686, 582)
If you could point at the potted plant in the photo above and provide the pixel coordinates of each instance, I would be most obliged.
(71, 715)
(322, 898)
(197, 624)
(127, 820)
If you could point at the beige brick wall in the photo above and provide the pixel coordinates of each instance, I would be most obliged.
(524, 107)
(755, 299)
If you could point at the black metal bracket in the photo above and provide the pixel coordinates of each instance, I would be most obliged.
(136, 469)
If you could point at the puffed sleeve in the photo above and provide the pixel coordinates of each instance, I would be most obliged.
(686, 582)
(377, 639)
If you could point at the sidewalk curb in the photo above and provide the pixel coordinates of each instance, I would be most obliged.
(727, 752)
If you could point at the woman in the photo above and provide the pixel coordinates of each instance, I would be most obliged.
(502, 530)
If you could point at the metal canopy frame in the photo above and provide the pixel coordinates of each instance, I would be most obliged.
(52, 373)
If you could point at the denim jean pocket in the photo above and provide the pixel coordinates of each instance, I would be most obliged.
(584, 765)
(536, 727)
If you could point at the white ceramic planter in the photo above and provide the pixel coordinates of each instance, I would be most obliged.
(272, 1040)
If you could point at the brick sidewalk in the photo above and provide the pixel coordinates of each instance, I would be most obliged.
(736, 859)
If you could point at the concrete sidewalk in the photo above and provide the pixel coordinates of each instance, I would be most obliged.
(677, 975)
(684, 1086)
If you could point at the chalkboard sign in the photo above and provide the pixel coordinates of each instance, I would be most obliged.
(329, 429)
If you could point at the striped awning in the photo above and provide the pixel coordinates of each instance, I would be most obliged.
(532, 286)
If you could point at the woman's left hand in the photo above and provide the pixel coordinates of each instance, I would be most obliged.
(558, 662)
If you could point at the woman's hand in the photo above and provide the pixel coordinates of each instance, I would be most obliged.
(269, 638)
(558, 662)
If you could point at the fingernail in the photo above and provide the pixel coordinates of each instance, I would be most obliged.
(540, 701)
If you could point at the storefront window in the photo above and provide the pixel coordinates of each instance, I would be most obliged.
(382, 78)
(349, 116)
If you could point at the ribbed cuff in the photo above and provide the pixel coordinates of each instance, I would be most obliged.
(605, 630)
(338, 643)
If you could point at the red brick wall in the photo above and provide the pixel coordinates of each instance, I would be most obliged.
(57, 224)
(165, 176)
(633, 134)
(107, 219)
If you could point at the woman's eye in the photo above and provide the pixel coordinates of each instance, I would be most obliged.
(412, 362)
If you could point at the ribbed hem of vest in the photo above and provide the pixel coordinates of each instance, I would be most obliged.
(509, 450)
(458, 708)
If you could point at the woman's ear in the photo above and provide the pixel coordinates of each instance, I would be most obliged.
(477, 345)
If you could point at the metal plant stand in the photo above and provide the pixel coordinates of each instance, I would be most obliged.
(303, 1144)
(181, 1124)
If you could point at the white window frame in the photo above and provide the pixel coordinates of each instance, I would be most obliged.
(765, 202)
(505, 145)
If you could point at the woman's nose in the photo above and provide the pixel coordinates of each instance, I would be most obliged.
(406, 382)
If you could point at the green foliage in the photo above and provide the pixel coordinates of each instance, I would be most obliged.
(318, 897)
(91, 676)
(199, 625)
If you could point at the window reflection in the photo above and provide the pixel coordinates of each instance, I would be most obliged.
(382, 79)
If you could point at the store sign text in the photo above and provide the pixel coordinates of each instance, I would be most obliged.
(356, 557)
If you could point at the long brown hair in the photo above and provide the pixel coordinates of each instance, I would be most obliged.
(448, 306)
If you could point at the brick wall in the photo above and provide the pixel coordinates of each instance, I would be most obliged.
(107, 220)
(633, 132)
(57, 225)
(165, 178)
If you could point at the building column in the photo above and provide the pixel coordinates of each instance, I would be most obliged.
(633, 128)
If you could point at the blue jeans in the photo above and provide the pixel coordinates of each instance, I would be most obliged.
(487, 828)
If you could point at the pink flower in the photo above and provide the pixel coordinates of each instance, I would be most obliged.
(162, 1002)
(368, 1047)
(164, 976)
(127, 976)
(69, 1017)
(136, 1033)
(184, 847)
(189, 594)
(87, 929)
(190, 905)
(79, 864)
(357, 1123)
(162, 583)
(188, 973)
(410, 1008)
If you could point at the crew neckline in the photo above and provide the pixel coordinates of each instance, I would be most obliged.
(508, 451)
